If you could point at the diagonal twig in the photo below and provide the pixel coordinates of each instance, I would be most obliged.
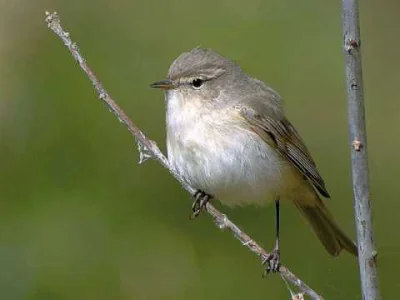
(148, 148)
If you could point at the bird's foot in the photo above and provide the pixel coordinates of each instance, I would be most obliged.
(273, 262)
(201, 199)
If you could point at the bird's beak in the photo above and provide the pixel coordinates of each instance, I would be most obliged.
(163, 84)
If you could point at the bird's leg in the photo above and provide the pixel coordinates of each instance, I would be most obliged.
(200, 201)
(272, 262)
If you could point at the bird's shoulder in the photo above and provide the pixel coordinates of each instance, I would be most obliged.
(264, 114)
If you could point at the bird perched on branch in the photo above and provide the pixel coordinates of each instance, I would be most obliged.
(228, 137)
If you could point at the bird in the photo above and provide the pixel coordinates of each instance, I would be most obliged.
(229, 138)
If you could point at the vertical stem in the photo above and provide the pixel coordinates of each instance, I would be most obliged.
(359, 159)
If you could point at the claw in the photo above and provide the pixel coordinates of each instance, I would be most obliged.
(272, 263)
(201, 199)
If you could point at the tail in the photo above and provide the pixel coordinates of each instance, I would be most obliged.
(328, 232)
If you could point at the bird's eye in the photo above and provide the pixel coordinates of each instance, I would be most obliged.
(197, 83)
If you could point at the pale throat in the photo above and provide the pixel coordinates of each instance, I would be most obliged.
(187, 118)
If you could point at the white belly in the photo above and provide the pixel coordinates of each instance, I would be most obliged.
(226, 161)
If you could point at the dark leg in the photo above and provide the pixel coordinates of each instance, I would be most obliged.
(278, 222)
(201, 199)
(272, 262)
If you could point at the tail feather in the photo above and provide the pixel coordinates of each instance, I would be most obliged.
(328, 232)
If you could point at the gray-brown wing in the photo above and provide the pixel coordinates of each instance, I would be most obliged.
(288, 142)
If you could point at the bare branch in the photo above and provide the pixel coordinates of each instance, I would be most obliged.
(359, 159)
(148, 148)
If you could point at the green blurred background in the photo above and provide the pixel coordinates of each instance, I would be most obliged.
(80, 219)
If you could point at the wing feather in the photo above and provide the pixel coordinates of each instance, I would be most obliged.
(287, 142)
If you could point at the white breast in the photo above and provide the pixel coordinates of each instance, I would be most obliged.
(216, 155)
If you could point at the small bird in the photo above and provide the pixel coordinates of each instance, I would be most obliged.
(228, 137)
